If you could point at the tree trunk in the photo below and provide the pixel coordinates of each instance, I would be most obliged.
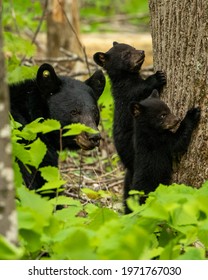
(8, 223)
(62, 27)
(180, 48)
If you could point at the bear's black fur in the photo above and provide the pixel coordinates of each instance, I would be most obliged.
(62, 98)
(158, 141)
(122, 64)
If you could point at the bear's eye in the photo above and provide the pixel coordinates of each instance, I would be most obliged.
(74, 112)
(127, 55)
(162, 116)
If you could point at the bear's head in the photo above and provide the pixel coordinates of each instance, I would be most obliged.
(120, 57)
(71, 101)
(152, 113)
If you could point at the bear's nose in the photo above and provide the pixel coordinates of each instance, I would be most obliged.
(95, 138)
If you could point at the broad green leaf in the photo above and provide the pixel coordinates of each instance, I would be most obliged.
(77, 128)
(21, 153)
(34, 202)
(32, 240)
(65, 200)
(37, 151)
(50, 173)
(78, 242)
(192, 253)
(100, 216)
(40, 126)
(123, 241)
(203, 233)
(55, 184)
(8, 251)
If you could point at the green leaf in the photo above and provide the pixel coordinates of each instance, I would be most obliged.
(122, 240)
(64, 200)
(37, 151)
(21, 153)
(78, 244)
(32, 240)
(100, 216)
(17, 73)
(52, 175)
(192, 254)
(8, 251)
(77, 128)
(40, 126)
(35, 202)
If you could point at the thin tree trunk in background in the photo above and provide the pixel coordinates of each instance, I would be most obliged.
(8, 222)
(180, 48)
(59, 31)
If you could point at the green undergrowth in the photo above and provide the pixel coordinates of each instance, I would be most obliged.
(173, 223)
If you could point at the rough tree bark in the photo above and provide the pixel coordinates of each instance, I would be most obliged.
(8, 222)
(180, 48)
(62, 17)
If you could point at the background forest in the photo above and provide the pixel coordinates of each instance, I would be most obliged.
(172, 224)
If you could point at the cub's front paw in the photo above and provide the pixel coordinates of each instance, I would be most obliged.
(194, 114)
(161, 77)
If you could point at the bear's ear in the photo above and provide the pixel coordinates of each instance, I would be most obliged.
(135, 109)
(97, 83)
(47, 80)
(100, 58)
(154, 94)
(115, 43)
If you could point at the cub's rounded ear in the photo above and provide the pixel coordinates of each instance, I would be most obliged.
(154, 94)
(100, 58)
(115, 43)
(97, 83)
(47, 80)
(135, 109)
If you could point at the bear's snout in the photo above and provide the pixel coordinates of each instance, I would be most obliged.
(95, 139)
(88, 141)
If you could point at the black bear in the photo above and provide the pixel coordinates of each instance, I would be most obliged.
(122, 64)
(62, 98)
(158, 140)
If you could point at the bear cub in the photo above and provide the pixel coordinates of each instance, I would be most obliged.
(122, 63)
(158, 140)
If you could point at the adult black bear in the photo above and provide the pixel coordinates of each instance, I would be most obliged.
(156, 145)
(122, 64)
(62, 98)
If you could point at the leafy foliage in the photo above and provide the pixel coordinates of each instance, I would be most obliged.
(172, 224)
(96, 12)
(166, 227)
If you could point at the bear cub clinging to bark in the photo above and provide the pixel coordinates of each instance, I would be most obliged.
(157, 141)
(122, 63)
